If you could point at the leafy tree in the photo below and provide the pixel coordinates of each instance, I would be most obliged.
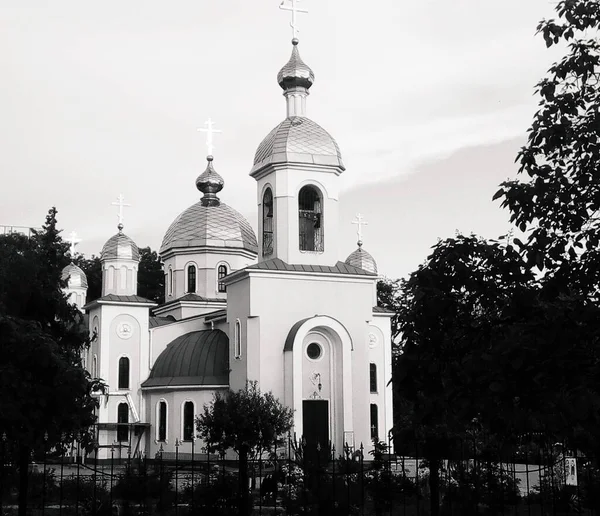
(92, 267)
(46, 394)
(387, 297)
(556, 199)
(246, 421)
(151, 277)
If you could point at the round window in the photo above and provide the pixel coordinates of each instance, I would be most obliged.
(314, 351)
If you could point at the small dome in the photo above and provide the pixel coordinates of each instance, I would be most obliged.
(75, 276)
(210, 183)
(363, 260)
(210, 225)
(120, 247)
(295, 72)
(298, 140)
(196, 358)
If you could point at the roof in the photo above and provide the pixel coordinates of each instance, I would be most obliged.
(210, 226)
(120, 247)
(277, 264)
(75, 276)
(161, 321)
(295, 72)
(193, 298)
(114, 298)
(196, 358)
(363, 260)
(382, 310)
(298, 140)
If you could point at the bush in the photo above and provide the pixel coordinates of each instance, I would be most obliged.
(218, 495)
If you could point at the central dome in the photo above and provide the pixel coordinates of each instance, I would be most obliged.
(210, 226)
(298, 140)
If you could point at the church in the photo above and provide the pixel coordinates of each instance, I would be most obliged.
(276, 306)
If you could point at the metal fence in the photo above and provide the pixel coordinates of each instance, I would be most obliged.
(292, 479)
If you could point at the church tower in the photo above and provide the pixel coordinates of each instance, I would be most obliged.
(77, 284)
(296, 168)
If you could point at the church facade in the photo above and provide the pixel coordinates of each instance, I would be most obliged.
(280, 309)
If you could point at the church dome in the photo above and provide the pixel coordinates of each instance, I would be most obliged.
(295, 73)
(120, 247)
(212, 226)
(75, 276)
(363, 260)
(298, 140)
(196, 358)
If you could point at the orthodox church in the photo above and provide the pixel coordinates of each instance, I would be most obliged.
(281, 309)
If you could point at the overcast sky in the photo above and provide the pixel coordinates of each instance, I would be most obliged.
(429, 101)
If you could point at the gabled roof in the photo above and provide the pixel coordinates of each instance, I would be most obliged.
(277, 264)
(114, 298)
(161, 321)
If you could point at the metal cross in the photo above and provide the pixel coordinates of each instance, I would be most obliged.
(73, 240)
(360, 222)
(121, 204)
(294, 10)
(210, 131)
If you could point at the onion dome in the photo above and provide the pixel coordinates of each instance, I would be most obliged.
(120, 247)
(74, 276)
(298, 140)
(196, 358)
(295, 73)
(362, 259)
(210, 183)
(210, 222)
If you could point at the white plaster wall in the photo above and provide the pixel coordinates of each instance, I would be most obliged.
(119, 277)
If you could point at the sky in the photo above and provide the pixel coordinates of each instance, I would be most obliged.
(429, 101)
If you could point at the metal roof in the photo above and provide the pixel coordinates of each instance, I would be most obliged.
(211, 226)
(114, 298)
(161, 321)
(363, 260)
(382, 310)
(277, 264)
(75, 276)
(298, 140)
(196, 358)
(295, 72)
(120, 246)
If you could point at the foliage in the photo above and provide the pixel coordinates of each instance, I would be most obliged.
(557, 197)
(217, 494)
(151, 277)
(92, 267)
(146, 486)
(387, 297)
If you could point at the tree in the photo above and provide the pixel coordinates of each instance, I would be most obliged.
(46, 394)
(246, 421)
(387, 297)
(556, 198)
(92, 267)
(151, 278)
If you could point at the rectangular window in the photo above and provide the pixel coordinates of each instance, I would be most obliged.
(188, 421)
(373, 377)
(162, 421)
(122, 423)
(123, 373)
(374, 422)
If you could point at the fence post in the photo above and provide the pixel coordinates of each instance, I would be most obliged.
(177, 443)
(112, 469)
(77, 437)
(3, 459)
(260, 480)
(333, 472)
(44, 473)
(193, 485)
(161, 477)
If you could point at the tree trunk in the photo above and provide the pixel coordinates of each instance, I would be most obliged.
(24, 453)
(434, 485)
(243, 509)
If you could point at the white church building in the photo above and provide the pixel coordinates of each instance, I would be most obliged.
(281, 309)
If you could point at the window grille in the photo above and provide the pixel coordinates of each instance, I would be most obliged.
(267, 243)
(310, 220)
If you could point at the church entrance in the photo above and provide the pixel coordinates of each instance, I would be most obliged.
(315, 428)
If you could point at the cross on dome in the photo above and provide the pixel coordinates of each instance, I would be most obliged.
(294, 9)
(121, 204)
(360, 222)
(73, 240)
(210, 131)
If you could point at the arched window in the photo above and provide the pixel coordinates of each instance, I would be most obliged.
(188, 421)
(373, 377)
(191, 278)
(221, 273)
(170, 280)
(237, 340)
(374, 422)
(95, 366)
(122, 422)
(161, 417)
(123, 373)
(267, 241)
(310, 219)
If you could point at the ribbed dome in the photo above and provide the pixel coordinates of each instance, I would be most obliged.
(363, 260)
(210, 183)
(120, 246)
(295, 72)
(298, 140)
(75, 276)
(196, 358)
(212, 226)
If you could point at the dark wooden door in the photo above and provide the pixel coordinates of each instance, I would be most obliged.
(315, 426)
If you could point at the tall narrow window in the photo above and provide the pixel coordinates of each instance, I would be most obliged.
(267, 243)
(374, 422)
(237, 340)
(122, 422)
(162, 421)
(221, 273)
(373, 377)
(191, 277)
(310, 219)
(95, 366)
(170, 280)
(123, 373)
(188, 421)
